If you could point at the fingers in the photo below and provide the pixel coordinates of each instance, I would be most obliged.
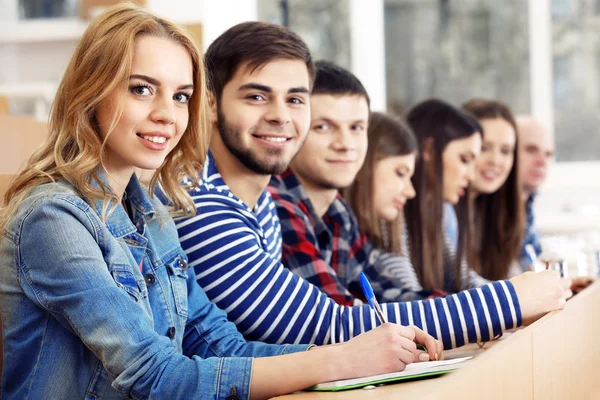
(568, 294)
(421, 356)
(405, 348)
(404, 331)
(566, 284)
(434, 347)
(440, 350)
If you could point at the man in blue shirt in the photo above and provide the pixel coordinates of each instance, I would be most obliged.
(536, 151)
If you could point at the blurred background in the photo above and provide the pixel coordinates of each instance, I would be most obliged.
(541, 57)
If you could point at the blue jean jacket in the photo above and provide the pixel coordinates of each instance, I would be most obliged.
(94, 310)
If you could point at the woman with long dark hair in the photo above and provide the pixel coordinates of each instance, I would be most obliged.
(449, 141)
(495, 191)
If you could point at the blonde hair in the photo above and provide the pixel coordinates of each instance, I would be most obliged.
(74, 148)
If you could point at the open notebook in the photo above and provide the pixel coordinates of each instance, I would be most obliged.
(412, 371)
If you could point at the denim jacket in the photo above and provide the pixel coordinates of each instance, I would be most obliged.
(94, 310)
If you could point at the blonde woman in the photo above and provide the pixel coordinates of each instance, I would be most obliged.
(95, 293)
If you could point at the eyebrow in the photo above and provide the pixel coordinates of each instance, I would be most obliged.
(156, 82)
(267, 89)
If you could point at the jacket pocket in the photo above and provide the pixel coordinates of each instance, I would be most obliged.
(177, 269)
(125, 279)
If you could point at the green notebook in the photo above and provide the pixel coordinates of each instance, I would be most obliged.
(412, 371)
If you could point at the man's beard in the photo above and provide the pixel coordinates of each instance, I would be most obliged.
(233, 142)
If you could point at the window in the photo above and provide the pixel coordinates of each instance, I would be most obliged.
(31, 9)
(576, 79)
(456, 51)
(323, 24)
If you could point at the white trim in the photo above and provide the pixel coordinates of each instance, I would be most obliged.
(540, 62)
(367, 48)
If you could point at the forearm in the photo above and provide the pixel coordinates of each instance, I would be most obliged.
(278, 375)
(467, 317)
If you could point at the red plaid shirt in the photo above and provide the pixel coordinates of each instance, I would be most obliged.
(331, 251)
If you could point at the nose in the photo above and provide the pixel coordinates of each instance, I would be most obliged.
(344, 140)
(541, 160)
(277, 113)
(164, 111)
(410, 191)
(495, 158)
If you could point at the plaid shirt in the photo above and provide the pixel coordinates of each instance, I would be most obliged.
(331, 251)
(532, 236)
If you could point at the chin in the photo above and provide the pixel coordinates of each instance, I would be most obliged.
(391, 216)
(340, 185)
(453, 200)
(487, 189)
(149, 165)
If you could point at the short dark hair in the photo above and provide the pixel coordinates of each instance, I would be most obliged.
(255, 44)
(332, 79)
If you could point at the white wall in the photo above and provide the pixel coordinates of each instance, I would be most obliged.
(368, 48)
(223, 14)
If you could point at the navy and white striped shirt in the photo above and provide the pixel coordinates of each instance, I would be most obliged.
(236, 255)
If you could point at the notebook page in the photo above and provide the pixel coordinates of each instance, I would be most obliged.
(411, 370)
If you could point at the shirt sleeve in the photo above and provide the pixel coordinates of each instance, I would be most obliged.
(64, 272)
(269, 303)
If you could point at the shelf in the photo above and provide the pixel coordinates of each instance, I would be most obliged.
(42, 30)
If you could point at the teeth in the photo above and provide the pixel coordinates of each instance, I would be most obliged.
(489, 174)
(274, 139)
(155, 139)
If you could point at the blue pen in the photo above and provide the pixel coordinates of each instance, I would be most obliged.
(368, 291)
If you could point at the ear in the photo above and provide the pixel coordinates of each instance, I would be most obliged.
(213, 115)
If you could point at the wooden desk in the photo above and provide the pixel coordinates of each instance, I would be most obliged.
(566, 350)
(558, 357)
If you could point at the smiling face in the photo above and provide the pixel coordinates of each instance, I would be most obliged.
(458, 161)
(154, 107)
(392, 185)
(336, 145)
(264, 114)
(497, 155)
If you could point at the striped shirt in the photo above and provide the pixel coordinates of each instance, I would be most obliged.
(403, 268)
(236, 255)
